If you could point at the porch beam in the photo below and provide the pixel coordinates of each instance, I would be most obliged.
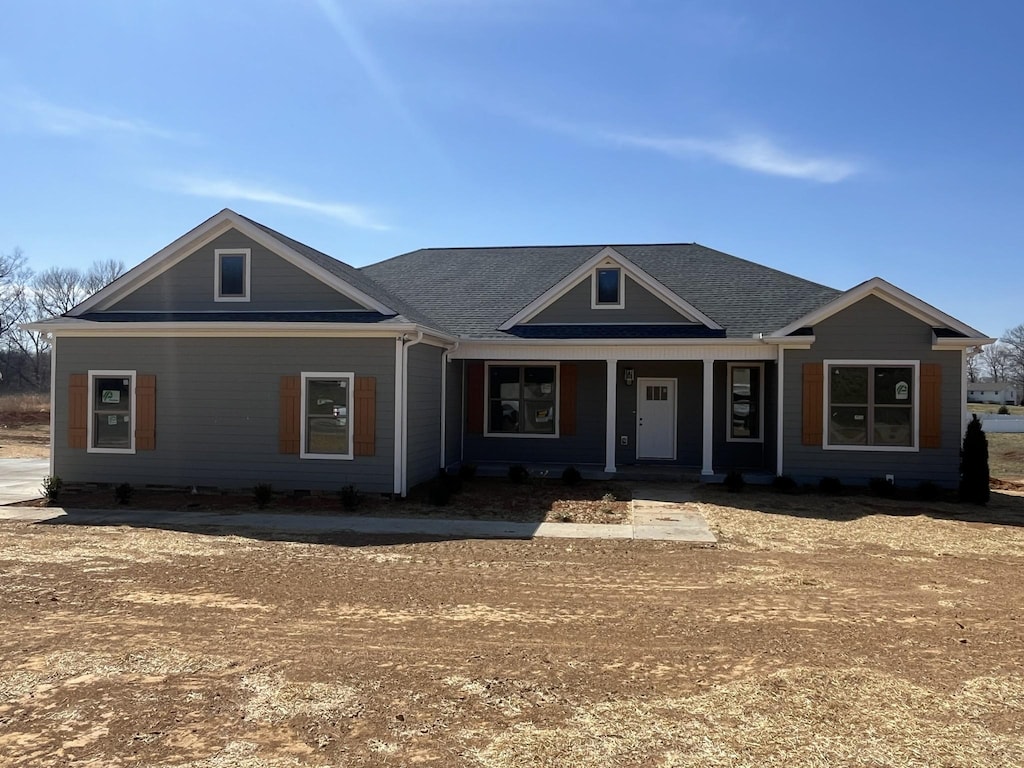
(707, 423)
(610, 426)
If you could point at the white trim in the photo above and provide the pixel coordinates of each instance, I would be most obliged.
(708, 420)
(202, 235)
(611, 414)
(640, 384)
(724, 349)
(916, 404)
(404, 413)
(630, 269)
(349, 411)
(728, 403)
(522, 364)
(780, 412)
(886, 291)
(964, 386)
(608, 266)
(444, 408)
(93, 375)
(958, 342)
(397, 479)
(53, 409)
(218, 273)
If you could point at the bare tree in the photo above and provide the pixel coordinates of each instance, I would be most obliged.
(1013, 342)
(974, 363)
(58, 289)
(102, 273)
(14, 277)
(995, 361)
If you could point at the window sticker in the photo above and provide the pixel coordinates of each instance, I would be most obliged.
(902, 390)
(111, 396)
(112, 421)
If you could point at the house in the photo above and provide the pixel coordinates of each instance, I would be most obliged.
(998, 392)
(237, 355)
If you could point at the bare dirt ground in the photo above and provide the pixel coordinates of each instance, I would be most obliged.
(856, 632)
(24, 427)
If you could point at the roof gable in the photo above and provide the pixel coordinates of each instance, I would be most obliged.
(208, 232)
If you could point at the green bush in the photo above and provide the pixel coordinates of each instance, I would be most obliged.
(974, 464)
(518, 474)
(349, 497)
(830, 486)
(928, 491)
(439, 493)
(571, 476)
(784, 484)
(123, 493)
(52, 485)
(452, 481)
(1003, 410)
(262, 493)
(879, 486)
(734, 481)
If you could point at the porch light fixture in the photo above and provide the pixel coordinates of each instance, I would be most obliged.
(628, 376)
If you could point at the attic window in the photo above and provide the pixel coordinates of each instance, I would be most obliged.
(231, 276)
(607, 288)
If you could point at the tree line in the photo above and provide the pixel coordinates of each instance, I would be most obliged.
(999, 362)
(27, 296)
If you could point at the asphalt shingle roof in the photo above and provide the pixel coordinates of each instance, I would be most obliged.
(471, 291)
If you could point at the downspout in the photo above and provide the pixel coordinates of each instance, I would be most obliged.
(404, 412)
(445, 359)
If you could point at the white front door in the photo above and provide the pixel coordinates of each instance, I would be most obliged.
(656, 419)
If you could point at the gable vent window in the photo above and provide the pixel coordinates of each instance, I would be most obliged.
(231, 276)
(608, 288)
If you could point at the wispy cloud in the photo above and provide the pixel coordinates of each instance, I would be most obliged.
(749, 152)
(39, 114)
(228, 189)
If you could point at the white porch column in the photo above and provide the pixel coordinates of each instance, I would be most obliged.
(780, 412)
(610, 426)
(708, 420)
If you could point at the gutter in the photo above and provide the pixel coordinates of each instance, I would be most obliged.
(402, 410)
(445, 359)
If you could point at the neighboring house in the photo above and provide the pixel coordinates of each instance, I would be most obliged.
(237, 355)
(998, 392)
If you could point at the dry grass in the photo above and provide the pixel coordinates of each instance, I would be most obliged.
(1016, 410)
(24, 408)
(1006, 455)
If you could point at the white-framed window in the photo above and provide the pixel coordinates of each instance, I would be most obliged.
(521, 399)
(871, 405)
(231, 275)
(745, 402)
(607, 287)
(111, 426)
(326, 429)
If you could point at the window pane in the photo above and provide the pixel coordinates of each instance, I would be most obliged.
(327, 416)
(848, 425)
(504, 381)
(539, 383)
(232, 275)
(893, 426)
(504, 416)
(607, 286)
(746, 400)
(894, 385)
(849, 385)
(540, 418)
(112, 411)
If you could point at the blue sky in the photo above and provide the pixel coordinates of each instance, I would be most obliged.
(837, 141)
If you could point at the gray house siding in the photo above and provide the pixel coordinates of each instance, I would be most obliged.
(424, 413)
(217, 411)
(744, 455)
(689, 399)
(276, 285)
(454, 417)
(873, 329)
(641, 306)
(585, 447)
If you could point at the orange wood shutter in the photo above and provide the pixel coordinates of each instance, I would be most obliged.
(365, 416)
(78, 410)
(290, 414)
(931, 405)
(812, 405)
(475, 397)
(145, 412)
(567, 399)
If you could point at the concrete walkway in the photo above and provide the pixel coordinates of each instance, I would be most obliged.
(20, 479)
(663, 513)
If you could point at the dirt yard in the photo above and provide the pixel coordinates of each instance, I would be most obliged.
(24, 426)
(864, 633)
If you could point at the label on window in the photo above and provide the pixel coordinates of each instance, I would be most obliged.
(111, 421)
(902, 390)
(545, 389)
(111, 396)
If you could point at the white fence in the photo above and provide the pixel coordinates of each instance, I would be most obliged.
(993, 422)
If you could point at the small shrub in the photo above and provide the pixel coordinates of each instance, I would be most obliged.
(734, 481)
(349, 497)
(467, 471)
(609, 497)
(566, 517)
(52, 485)
(879, 486)
(571, 476)
(518, 474)
(262, 493)
(123, 493)
(830, 486)
(438, 493)
(974, 464)
(784, 484)
(1003, 411)
(451, 480)
(928, 491)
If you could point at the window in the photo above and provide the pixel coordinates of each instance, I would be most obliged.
(326, 416)
(231, 276)
(746, 403)
(872, 405)
(607, 290)
(521, 400)
(111, 412)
